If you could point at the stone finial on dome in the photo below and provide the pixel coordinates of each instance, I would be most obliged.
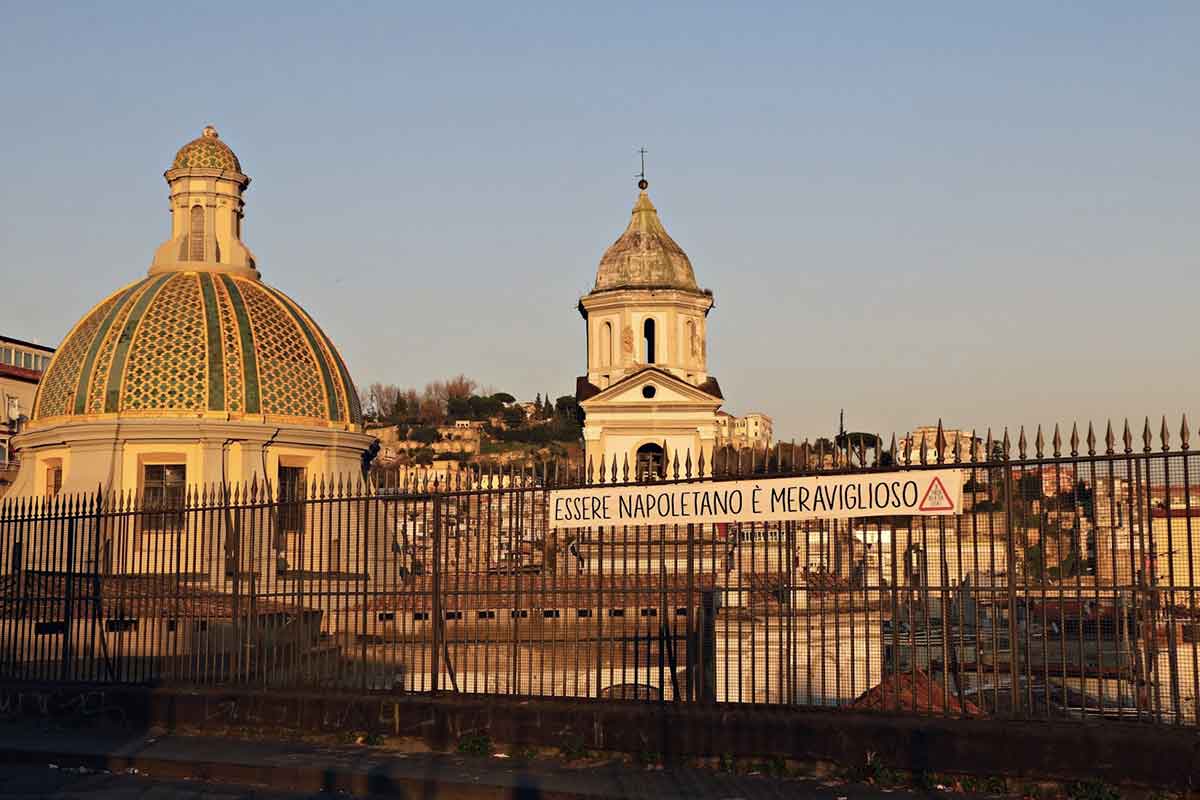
(210, 132)
(645, 256)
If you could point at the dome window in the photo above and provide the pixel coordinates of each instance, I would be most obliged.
(648, 340)
(196, 235)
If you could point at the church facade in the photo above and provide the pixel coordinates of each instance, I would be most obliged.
(198, 373)
(648, 397)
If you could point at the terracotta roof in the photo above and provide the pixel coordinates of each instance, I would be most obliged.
(20, 373)
(914, 691)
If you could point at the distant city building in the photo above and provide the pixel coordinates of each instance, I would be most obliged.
(753, 430)
(21, 367)
(956, 445)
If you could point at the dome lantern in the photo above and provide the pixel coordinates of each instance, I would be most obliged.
(206, 187)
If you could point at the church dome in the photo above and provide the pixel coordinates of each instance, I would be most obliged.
(645, 256)
(207, 152)
(198, 344)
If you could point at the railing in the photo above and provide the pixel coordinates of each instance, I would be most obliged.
(1066, 589)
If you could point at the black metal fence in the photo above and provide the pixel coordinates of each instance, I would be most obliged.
(1067, 588)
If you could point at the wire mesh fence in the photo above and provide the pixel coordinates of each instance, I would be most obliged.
(1066, 589)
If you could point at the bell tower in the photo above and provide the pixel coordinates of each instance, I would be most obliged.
(646, 321)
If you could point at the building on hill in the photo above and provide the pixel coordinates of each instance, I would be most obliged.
(198, 372)
(957, 445)
(754, 430)
(647, 395)
(21, 366)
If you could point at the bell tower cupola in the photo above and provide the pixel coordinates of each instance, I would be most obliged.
(646, 308)
(647, 396)
(206, 186)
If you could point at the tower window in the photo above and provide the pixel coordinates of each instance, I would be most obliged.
(648, 340)
(606, 344)
(650, 462)
(196, 235)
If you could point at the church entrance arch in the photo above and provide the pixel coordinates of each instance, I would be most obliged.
(650, 462)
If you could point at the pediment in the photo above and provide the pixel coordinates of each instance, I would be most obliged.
(668, 390)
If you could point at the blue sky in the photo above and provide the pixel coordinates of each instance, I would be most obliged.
(983, 212)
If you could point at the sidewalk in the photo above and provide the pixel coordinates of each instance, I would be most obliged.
(286, 766)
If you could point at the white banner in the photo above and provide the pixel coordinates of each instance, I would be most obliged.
(919, 492)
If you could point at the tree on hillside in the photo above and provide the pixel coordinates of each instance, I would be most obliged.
(425, 435)
(823, 445)
(460, 386)
(364, 400)
(381, 400)
(514, 416)
(430, 410)
(567, 410)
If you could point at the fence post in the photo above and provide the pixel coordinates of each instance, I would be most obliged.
(364, 528)
(708, 646)
(435, 600)
(690, 622)
(68, 598)
(1013, 674)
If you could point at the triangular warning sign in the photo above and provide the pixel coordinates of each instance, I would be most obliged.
(936, 497)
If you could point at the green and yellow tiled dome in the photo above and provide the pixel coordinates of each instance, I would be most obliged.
(207, 152)
(191, 344)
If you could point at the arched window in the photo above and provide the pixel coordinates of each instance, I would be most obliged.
(648, 340)
(196, 235)
(650, 462)
(606, 344)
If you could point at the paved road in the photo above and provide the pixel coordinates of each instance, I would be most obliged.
(19, 782)
(26, 782)
(37, 760)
